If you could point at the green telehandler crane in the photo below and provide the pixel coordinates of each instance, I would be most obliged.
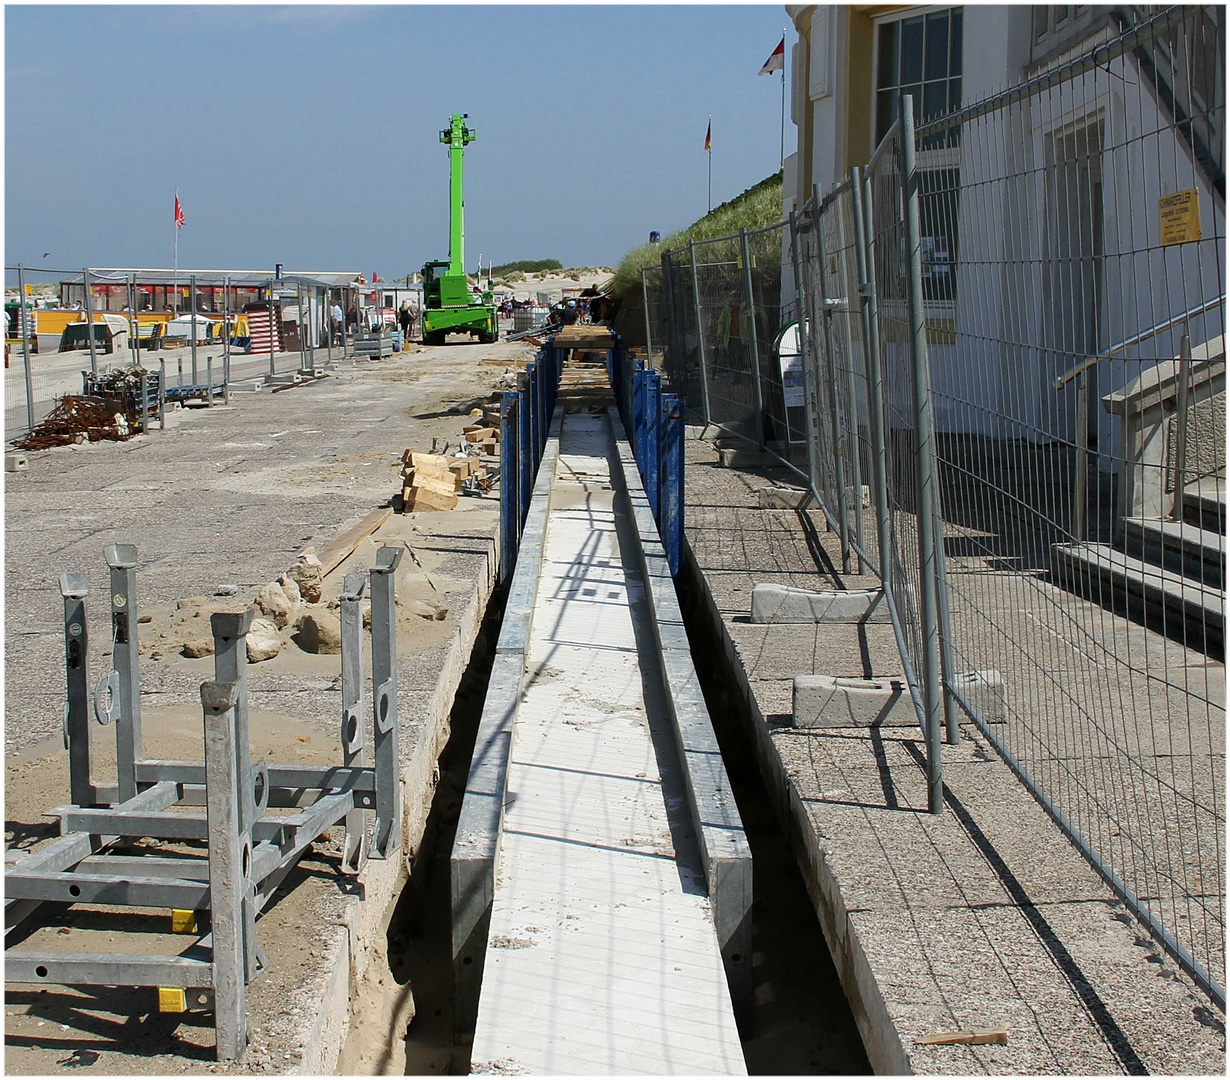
(449, 307)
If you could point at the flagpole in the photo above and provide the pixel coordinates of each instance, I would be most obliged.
(709, 151)
(175, 225)
(783, 148)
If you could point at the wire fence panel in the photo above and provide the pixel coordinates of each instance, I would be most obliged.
(1013, 339)
(1080, 483)
(721, 310)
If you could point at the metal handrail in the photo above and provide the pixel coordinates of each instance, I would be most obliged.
(1136, 339)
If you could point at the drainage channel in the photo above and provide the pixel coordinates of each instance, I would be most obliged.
(402, 1020)
(402, 1010)
(802, 1022)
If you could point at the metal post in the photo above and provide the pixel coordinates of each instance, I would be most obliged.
(209, 380)
(89, 321)
(926, 454)
(273, 333)
(535, 415)
(838, 444)
(700, 335)
(1180, 442)
(144, 403)
(230, 857)
(672, 481)
(230, 630)
(304, 367)
(645, 300)
(510, 520)
(749, 303)
(1081, 466)
(24, 317)
(132, 320)
(122, 559)
(638, 415)
(806, 350)
(74, 589)
(162, 394)
(329, 326)
(192, 328)
(354, 740)
(653, 441)
(226, 341)
(387, 835)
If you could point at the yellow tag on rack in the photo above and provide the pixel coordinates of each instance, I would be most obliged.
(171, 999)
(183, 922)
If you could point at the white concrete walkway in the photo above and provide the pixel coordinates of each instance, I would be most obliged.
(601, 955)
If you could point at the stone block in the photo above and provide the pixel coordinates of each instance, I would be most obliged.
(984, 691)
(841, 701)
(773, 603)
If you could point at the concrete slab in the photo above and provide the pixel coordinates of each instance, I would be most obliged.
(602, 956)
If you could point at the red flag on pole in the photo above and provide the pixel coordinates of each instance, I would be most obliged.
(777, 59)
(179, 213)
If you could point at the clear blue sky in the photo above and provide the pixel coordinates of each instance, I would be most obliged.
(308, 135)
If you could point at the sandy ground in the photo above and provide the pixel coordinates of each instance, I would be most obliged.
(224, 496)
(554, 282)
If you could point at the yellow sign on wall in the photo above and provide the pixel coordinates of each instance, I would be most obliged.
(1179, 217)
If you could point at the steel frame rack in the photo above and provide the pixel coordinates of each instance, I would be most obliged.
(250, 850)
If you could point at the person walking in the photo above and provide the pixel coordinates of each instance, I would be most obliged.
(338, 317)
(405, 319)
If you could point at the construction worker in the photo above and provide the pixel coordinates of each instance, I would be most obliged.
(405, 319)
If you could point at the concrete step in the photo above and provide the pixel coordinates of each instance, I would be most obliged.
(1190, 551)
(1161, 599)
(1204, 503)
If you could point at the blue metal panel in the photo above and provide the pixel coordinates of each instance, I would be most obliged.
(524, 459)
(510, 519)
(671, 527)
(653, 441)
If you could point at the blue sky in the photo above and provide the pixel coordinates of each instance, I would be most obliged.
(308, 135)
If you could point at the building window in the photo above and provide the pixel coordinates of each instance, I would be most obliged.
(921, 56)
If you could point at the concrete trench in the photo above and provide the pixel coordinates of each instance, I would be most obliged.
(399, 1003)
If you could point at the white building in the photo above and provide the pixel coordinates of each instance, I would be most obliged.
(1041, 233)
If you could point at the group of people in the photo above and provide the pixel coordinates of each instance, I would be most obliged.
(342, 323)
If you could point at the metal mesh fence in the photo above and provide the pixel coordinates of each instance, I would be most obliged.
(1013, 339)
(1059, 451)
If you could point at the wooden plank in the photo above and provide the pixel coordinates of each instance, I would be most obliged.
(341, 546)
(430, 499)
(983, 1037)
(479, 435)
(444, 484)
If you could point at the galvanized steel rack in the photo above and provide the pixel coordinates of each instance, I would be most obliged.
(250, 849)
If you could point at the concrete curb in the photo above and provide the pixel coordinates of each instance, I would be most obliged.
(724, 847)
(475, 858)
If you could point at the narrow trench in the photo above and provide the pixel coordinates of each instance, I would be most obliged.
(802, 1022)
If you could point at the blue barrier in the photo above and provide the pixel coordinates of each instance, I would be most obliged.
(510, 520)
(670, 520)
(652, 468)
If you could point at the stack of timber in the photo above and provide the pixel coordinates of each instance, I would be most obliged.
(433, 481)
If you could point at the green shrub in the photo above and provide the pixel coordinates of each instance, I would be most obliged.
(758, 206)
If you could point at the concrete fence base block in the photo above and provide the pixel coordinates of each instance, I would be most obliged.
(787, 604)
(984, 691)
(779, 498)
(839, 701)
(731, 458)
(247, 386)
(16, 462)
(700, 431)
